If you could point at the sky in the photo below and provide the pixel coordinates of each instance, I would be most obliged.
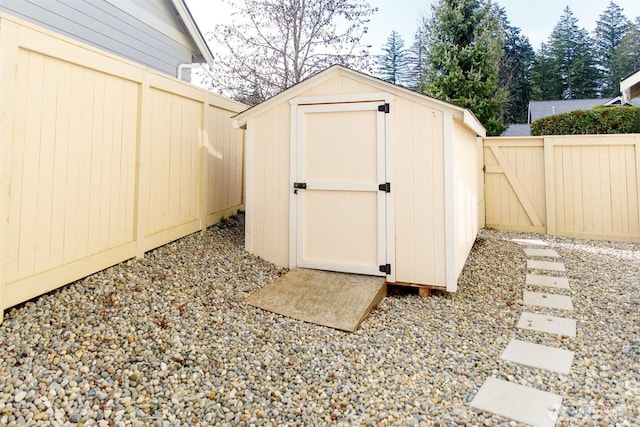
(535, 18)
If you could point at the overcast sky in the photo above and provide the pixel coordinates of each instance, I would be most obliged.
(536, 18)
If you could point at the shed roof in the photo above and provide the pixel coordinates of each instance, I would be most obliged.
(462, 114)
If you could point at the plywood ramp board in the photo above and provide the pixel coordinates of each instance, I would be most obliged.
(338, 300)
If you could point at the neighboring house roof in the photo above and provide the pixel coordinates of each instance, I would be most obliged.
(630, 87)
(459, 113)
(540, 109)
(159, 34)
(518, 130)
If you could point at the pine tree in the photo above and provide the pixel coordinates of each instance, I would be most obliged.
(571, 48)
(393, 65)
(465, 45)
(627, 58)
(545, 81)
(515, 72)
(609, 32)
(416, 56)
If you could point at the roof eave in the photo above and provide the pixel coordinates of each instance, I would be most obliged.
(630, 86)
(472, 122)
(194, 31)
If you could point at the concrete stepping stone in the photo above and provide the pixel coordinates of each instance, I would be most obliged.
(549, 253)
(531, 242)
(517, 402)
(550, 281)
(538, 356)
(545, 265)
(551, 324)
(543, 299)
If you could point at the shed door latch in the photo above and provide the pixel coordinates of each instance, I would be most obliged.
(299, 186)
(384, 108)
(385, 268)
(386, 187)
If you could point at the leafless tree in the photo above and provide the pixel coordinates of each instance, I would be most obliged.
(270, 45)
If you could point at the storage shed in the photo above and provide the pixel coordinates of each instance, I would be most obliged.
(348, 173)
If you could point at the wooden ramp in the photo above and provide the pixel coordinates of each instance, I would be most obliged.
(337, 300)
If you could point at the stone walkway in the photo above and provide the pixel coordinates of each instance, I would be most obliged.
(521, 403)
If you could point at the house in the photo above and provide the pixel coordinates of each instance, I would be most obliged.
(159, 34)
(349, 173)
(540, 109)
(630, 88)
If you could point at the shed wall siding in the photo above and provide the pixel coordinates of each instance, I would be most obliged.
(419, 193)
(269, 226)
(467, 167)
(339, 85)
(145, 31)
(418, 184)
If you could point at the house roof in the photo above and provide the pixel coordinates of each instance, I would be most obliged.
(518, 130)
(193, 30)
(630, 86)
(540, 109)
(462, 114)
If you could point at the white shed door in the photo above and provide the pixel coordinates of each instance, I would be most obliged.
(340, 212)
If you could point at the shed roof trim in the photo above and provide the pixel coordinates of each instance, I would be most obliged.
(462, 114)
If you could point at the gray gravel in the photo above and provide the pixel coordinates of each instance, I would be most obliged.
(169, 340)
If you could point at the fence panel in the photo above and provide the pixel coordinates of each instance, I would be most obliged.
(514, 184)
(584, 186)
(101, 160)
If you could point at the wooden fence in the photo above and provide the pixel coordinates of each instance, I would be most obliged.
(101, 160)
(585, 186)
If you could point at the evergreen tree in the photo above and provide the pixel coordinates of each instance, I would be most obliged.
(545, 81)
(627, 58)
(571, 48)
(515, 72)
(609, 32)
(393, 64)
(465, 45)
(416, 56)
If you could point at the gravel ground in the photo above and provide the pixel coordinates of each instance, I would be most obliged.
(169, 340)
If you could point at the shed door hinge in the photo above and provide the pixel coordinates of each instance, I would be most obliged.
(386, 187)
(384, 108)
(385, 268)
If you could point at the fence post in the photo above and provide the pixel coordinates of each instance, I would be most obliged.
(8, 65)
(550, 185)
(141, 194)
(637, 148)
(204, 167)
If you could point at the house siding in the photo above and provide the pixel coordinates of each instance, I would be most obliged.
(145, 31)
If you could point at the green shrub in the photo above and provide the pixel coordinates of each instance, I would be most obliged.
(600, 120)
